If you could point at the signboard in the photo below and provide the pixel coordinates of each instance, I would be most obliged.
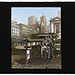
(28, 43)
(33, 43)
(37, 43)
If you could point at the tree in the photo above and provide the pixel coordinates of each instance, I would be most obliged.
(13, 46)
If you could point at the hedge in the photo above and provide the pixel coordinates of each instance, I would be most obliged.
(18, 52)
(35, 35)
(57, 52)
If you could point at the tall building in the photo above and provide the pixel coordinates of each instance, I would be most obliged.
(43, 20)
(47, 29)
(35, 28)
(59, 14)
(32, 20)
(42, 27)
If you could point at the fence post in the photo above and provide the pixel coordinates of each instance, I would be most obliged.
(41, 52)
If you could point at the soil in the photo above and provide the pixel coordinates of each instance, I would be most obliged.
(18, 61)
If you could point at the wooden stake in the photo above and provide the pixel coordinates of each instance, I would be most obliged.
(41, 51)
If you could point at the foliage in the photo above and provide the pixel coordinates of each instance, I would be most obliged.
(18, 51)
(13, 50)
(35, 35)
(57, 46)
(15, 41)
(57, 52)
(35, 51)
(43, 33)
(57, 41)
(12, 41)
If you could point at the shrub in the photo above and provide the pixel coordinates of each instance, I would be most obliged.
(57, 41)
(57, 52)
(13, 50)
(18, 51)
(35, 35)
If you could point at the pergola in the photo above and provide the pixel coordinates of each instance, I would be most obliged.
(29, 44)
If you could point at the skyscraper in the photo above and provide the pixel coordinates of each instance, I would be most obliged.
(43, 20)
(32, 20)
(59, 14)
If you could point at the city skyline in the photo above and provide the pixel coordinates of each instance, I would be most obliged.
(21, 14)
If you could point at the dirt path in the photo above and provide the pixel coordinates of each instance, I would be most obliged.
(18, 61)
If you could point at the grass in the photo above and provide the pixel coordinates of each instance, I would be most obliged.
(57, 52)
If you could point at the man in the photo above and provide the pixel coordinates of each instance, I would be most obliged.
(51, 50)
(45, 50)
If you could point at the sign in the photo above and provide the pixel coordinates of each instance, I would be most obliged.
(28, 43)
(37, 43)
(33, 43)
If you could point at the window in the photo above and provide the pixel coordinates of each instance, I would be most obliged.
(57, 27)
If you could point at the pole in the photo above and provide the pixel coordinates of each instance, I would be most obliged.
(41, 51)
(26, 60)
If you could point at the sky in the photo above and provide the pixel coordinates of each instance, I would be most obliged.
(21, 14)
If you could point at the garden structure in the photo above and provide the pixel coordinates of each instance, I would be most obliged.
(36, 47)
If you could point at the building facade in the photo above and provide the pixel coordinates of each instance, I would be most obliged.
(24, 30)
(55, 26)
(43, 21)
(35, 28)
(15, 32)
(32, 20)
